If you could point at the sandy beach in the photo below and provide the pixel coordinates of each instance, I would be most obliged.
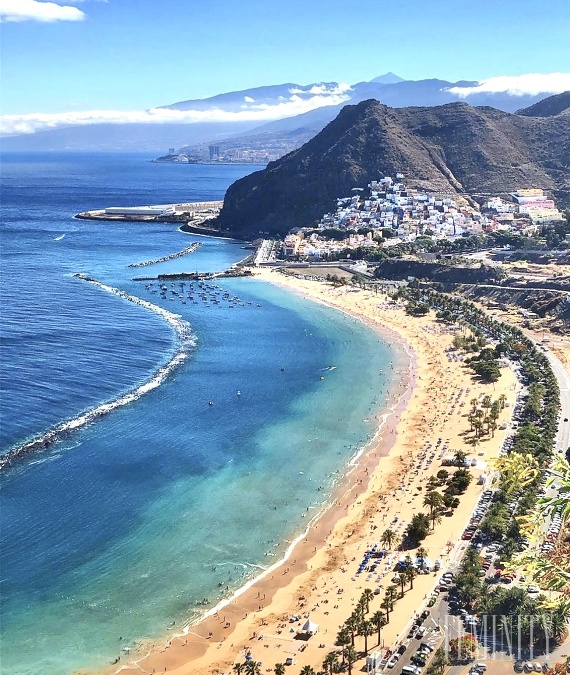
(319, 579)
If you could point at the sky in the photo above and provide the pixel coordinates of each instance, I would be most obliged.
(67, 56)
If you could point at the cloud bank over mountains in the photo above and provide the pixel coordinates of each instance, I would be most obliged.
(250, 110)
(277, 102)
(531, 84)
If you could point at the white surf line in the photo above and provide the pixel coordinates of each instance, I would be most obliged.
(185, 339)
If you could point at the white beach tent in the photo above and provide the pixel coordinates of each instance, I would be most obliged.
(310, 627)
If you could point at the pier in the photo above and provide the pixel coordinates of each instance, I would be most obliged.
(172, 256)
(186, 212)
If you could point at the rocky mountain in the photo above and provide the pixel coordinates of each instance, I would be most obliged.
(548, 107)
(453, 148)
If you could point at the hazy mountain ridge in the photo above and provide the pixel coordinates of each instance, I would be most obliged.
(388, 88)
(454, 147)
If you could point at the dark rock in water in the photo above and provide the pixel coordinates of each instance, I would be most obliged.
(453, 148)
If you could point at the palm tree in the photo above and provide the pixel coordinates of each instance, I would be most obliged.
(411, 574)
(388, 538)
(402, 578)
(350, 656)
(366, 630)
(387, 606)
(352, 626)
(433, 500)
(279, 669)
(392, 594)
(307, 670)
(238, 668)
(252, 668)
(435, 518)
(343, 637)
(378, 620)
(421, 554)
(367, 596)
(331, 660)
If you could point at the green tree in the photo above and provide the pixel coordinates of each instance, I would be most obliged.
(343, 637)
(307, 670)
(352, 625)
(439, 662)
(378, 620)
(418, 528)
(366, 630)
(460, 458)
(402, 579)
(329, 664)
(350, 656)
(367, 596)
(252, 668)
(421, 555)
(279, 669)
(434, 501)
(388, 538)
(442, 475)
(411, 574)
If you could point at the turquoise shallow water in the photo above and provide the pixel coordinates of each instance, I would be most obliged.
(124, 527)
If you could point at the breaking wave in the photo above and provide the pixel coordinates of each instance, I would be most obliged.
(185, 341)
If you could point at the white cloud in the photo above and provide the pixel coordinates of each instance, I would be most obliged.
(331, 88)
(33, 10)
(30, 123)
(518, 85)
(248, 99)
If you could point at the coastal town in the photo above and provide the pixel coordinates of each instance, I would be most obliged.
(388, 213)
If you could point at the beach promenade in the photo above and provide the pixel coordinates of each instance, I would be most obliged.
(320, 580)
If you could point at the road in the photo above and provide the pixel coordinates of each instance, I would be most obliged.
(563, 378)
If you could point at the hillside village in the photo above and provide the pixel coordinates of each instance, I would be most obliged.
(390, 213)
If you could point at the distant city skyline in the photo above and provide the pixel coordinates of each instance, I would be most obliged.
(70, 56)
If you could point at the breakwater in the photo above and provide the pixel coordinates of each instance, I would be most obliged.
(189, 249)
(185, 341)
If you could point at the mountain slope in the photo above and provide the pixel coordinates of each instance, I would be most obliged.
(454, 147)
(548, 107)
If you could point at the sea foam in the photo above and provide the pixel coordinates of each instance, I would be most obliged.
(185, 341)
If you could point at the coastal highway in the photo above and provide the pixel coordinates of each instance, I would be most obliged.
(563, 378)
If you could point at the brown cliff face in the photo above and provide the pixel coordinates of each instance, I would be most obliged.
(454, 147)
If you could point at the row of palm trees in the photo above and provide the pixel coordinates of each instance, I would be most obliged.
(532, 452)
(488, 414)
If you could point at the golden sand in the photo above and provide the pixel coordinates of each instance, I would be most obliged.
(319, 580)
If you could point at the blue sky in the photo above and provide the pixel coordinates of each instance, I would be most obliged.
(137, 54)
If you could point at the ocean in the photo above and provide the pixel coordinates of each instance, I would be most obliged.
(185, 493)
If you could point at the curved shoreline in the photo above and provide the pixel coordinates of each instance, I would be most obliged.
(383, 483)
(186, 251)
(185, 339)
(353, 480)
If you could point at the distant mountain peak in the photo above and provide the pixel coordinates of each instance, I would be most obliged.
(388, 78)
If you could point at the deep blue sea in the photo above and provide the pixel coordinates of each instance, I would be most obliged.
(124, 526)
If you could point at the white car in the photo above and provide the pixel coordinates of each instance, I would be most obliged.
(393, 660)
